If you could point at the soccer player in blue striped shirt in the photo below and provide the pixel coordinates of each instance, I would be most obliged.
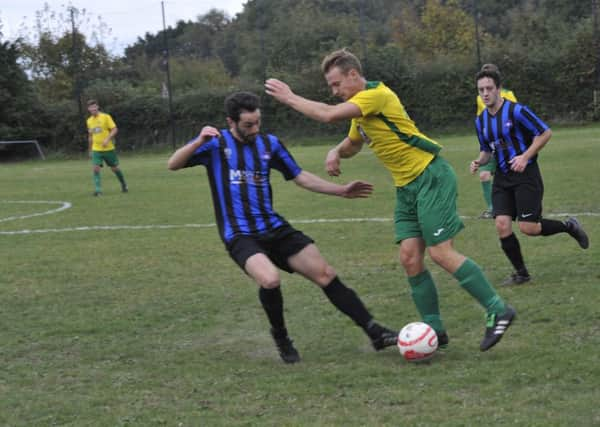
(239, 161)
(514, 135)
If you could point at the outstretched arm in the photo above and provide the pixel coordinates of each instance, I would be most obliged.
(315, 110)
(352, 190)
(182, 155)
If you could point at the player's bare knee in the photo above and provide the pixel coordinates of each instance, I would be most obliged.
(268, 281)
(411, 262)
(265, 275)
(504, 228)
(327, 276)
(530, 228)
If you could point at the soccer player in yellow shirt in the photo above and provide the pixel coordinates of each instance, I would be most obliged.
(487, 171)
(425, 214)
(101, 132)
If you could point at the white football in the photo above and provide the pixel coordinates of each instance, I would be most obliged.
(417, 341)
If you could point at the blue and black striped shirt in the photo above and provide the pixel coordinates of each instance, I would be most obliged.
(239, 176)
(509, 132)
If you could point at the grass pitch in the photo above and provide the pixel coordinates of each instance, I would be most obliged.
(125, 310)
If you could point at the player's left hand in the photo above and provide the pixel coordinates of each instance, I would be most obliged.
(278, 90)
(518, 163)
(357, 189)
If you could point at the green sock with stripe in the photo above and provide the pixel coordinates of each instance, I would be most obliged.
(486, 186)
(471, 278)
(121, 177)
(97, 182)
(425, 297)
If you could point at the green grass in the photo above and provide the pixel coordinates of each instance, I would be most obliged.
(157, 326)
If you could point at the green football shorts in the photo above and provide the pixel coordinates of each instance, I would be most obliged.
(426, 207)
(490, 166)
(110, 157)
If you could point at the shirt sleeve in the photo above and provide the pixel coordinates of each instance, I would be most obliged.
(353, 132)
(282, 160)
(203, 153)
(370, 102)
(110, 123)
(483, 144)
(529, 120)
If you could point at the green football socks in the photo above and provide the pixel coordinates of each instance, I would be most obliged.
(472, 279)
(97, 182)
(486, 186)
(425, 297)
(121, 177)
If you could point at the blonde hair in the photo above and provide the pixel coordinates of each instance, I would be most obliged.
(343, 59)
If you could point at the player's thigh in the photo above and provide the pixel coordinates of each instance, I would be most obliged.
(252, 258)
(111, 159)
(262, 270)
(406, 221)
(97, 158)
(436, 203)
(310, 263)
(528, 197)
(503, 200)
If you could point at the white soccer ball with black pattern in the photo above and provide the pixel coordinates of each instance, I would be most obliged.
(417, 342)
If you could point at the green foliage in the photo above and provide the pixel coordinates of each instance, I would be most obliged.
(62, 129)
(109, 91)
(424, 49)
(140, 121)
(17, 100)
(192, 74)
(552, 72)
(444, 29)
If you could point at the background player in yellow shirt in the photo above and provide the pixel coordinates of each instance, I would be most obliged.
(425, 215)
(101, 132)
(486, 171)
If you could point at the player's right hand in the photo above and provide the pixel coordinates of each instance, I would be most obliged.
(332, 163)
(474, 166)
(207, 133)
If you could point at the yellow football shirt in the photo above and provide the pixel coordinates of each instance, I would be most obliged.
(99, 127)
(392, 135)
(504, 93)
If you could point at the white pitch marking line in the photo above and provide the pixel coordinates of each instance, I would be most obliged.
(64, 206)
(171, 226)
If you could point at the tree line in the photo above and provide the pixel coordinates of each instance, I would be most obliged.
(428, 51)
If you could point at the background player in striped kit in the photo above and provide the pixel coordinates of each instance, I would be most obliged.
(514, 135)
(486, 172)
(239, 161)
